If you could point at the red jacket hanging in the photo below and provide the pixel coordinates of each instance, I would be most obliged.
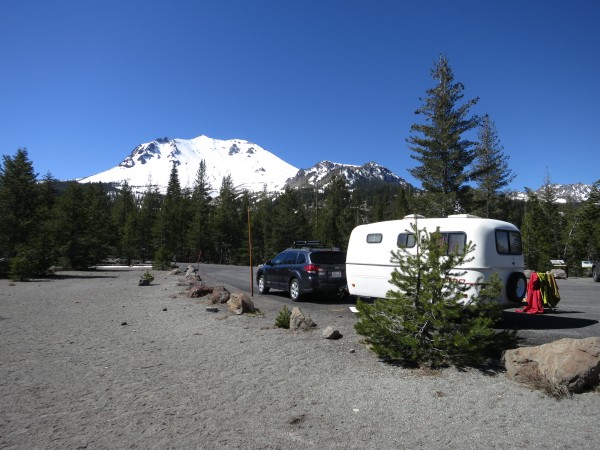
(534, 296)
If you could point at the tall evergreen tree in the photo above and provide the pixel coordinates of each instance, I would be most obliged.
(337, 218)
(20, 221)
(81, 224)
(170, 226)
(586, 236)
(199, 236)
(100, 229)
(227, 226)
(541, 229)
(125, 220)
(289, 222)
(149, 213)
(444, 156)
(262, 227)
(490, 170)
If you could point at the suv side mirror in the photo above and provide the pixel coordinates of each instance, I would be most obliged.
(268, 263)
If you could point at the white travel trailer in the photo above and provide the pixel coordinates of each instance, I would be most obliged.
(497, 249)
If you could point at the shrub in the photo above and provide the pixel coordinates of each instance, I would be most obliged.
(283, 318)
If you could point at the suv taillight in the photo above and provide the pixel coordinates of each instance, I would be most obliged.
(311, 268)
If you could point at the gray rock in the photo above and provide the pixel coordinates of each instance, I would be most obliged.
(192, 273)
(199, 290)
(219, 295)
(240, 303)
(331, 333)
(299, 321)
(573, 363)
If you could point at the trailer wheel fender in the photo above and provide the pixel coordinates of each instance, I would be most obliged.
(516, 287)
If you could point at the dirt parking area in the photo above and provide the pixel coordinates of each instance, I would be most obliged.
(92, 360)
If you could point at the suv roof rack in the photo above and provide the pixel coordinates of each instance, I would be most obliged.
(298, 244)
(312, 244)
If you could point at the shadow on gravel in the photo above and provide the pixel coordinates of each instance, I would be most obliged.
(521, 321)
(79, 276)
(317, 299)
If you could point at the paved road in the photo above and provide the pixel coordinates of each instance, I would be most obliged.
(577, 315)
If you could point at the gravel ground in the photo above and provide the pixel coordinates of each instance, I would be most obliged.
(91, 360)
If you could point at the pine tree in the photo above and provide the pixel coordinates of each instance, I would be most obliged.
(125, 216)
(423, 320)
(586, 238)
(149, 212)
(490, 170)
(20, 217)
(100, 228)
(75, 232)
(170, 226)
(262, 228)
(226, 225)
(199, 231)
(337, 219)
(541, 229)
(443, 154)
(289, 222)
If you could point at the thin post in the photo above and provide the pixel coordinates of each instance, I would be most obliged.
(250, 253)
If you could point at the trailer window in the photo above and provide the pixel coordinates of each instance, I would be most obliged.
(374, 238)
(406, 240)
(508, 242)
(456, 242)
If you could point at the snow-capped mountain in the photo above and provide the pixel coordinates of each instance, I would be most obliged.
(577, 192)
(250, 166)
(321, 174)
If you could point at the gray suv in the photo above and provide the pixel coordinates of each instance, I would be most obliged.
(304, 268)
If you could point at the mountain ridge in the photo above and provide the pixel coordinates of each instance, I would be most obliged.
(253, 168)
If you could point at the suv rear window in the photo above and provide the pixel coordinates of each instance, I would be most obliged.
(328, 258)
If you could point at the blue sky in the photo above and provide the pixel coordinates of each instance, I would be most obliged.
(83, 82)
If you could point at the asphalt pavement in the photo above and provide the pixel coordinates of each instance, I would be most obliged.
(577, 315)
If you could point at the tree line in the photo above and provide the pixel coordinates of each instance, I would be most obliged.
(44, 222)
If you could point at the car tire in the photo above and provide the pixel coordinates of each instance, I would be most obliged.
(295, 292)
(262, 288)
(595, 274)
(516, 287)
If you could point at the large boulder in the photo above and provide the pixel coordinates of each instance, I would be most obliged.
(300, 321)
(219, 295)
(240, 303)
(573, 363)
(199, 290)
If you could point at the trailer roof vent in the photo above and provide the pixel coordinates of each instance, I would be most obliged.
(414, 216)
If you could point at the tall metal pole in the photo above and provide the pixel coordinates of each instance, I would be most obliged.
(250, 252)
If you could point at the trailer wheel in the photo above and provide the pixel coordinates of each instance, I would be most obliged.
(516, 287)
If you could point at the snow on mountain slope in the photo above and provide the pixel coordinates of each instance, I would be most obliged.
(323, 172)
(250, 166)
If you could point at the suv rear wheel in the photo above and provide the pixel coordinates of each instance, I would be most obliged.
(261, 285)
(295, 290)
